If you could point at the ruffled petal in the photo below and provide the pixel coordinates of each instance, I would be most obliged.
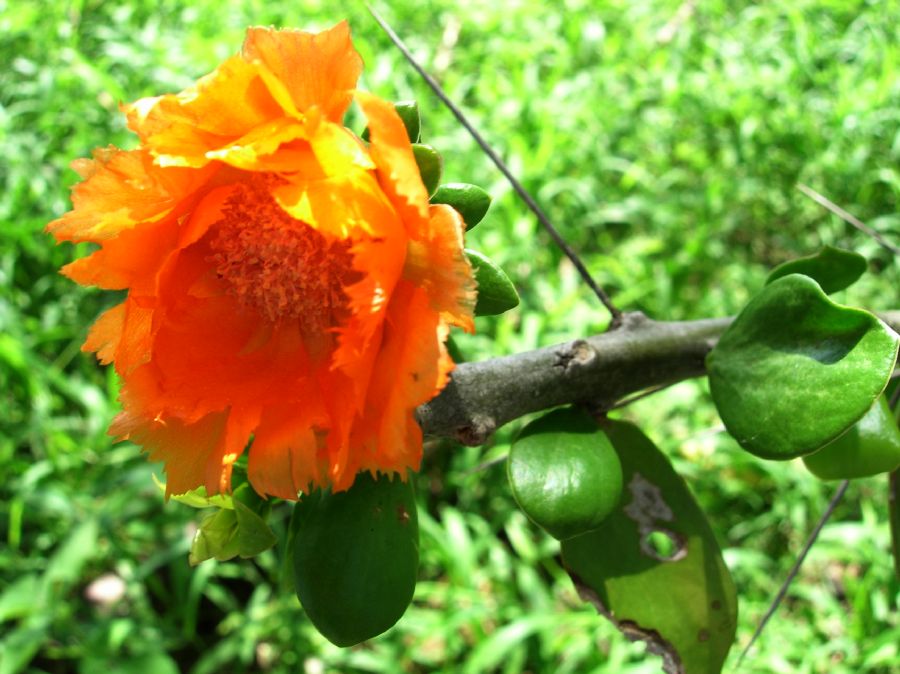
(359, 339)
(315, 69)
(286, 455)
(411, 368)
(131, 260)
(397, 170)
(257, 149)
(106, 333)
(339, 207)
(121, 190)
(226, 105)
(437, 263)
(194, 454)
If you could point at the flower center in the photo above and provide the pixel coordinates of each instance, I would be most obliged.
(279, 266)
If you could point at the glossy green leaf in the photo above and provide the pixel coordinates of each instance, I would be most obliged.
(409, 113)
(496, 293)
(470, 201)
(564, 473)
(654, 567)
(431, 166)
(833, 268)
(356, 556)
(795, 370)
(870, 447)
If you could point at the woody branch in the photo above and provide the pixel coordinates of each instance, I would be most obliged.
(638, 354)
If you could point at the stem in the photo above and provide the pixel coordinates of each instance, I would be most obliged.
(598, 371)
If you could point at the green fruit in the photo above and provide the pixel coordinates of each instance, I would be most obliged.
(430, 164)
(564, 473)
(356, 555)
(496, 293)
(470, 201)
(870, 447)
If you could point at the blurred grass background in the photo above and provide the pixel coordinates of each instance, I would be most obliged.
(667, 153)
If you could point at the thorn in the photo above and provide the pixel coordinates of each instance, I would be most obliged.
(847, 217)
(500, 164)
(782, 591)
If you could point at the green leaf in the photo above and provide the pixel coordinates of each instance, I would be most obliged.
(870, 447)
(654, 567)
(470, 201)
(196, 498)
(152, 662)
(230, 533)
(67, 561)
(430, 164)
(496, 293)
(564, 473)
(833, 268)
(455, 352)
(253, 534)
(795, 370)
(894, 516)
(356, 556)
(20, 644)
(21, 598)
(409, 113)
(216, 538)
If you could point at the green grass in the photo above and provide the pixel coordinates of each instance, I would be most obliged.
(670, 166)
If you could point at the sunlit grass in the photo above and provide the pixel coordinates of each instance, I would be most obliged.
(671, 165)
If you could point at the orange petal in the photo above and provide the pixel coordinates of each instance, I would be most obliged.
(135, 345)
(133, 259)
(381, 260)
(257, 149)
(342, 207)
(317, 69)
(284, 458)
(392, 152)
(411, 368)
(122, 189)
(187, 450)
(337, 150)
(224, 106)
(105, 334)
(438, 264)
(194, 454)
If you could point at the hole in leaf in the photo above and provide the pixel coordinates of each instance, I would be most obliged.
(663, 545)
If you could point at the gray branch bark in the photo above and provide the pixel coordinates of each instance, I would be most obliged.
(598, 371)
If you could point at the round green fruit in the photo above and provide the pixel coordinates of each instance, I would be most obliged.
(870, 447)
(356, 556)
(564, 473)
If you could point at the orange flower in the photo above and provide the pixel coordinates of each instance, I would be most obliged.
(284, 279)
